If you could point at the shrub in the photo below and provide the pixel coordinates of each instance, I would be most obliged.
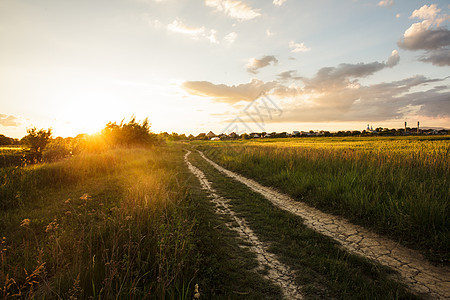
(37, 140)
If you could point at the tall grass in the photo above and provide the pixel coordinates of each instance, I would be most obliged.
(106, 225)
(399, 187)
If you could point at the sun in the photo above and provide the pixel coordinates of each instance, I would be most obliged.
(85, 117)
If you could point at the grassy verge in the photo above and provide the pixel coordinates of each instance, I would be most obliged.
(101, 226)
(398, 187)
(322, 268)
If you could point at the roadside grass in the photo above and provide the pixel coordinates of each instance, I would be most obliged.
(322, 268)
(104, 225)
(399, 187)
(226, 268)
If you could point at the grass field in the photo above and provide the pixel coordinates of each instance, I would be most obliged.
(101, 225)
(134, 222)
(396, 186)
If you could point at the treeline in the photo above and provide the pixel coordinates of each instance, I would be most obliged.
(39, 144)
(355, 133)
(6, 141)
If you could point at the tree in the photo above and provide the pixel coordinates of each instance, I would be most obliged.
(201, 136)
(36, 140)
(129, 134)
(4, 140)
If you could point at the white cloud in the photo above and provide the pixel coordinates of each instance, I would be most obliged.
(179, 27)
(287, 75)
(228, 94)
(428, 35)
(230, 38)
(8, 120)
(298, 47)
(430, 14)
(212, 36)
(349, 102)
(279, 2)
(393, 59)
(386, 3)
(336, 94)
(439, 57)
(269, 33)
(234, 9)
(426, 12)
(398, 16)
(254, 64)
(197, 32)
(345, 75)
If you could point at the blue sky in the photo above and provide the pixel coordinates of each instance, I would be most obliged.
(193, 66)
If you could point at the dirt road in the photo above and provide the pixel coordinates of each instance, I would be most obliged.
(278, 273)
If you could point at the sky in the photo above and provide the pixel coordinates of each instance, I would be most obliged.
(223, 65)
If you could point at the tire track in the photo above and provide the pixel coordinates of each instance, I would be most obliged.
(278, 273)
(415, 271)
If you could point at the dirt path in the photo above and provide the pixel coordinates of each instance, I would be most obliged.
(415, 271)
(277, 272)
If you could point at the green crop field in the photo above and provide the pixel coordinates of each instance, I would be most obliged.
(398, 186)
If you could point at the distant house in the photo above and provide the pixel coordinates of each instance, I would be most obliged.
(254, 135)
(233, 135)
(295, 133)
(216, 138)
(210, 135)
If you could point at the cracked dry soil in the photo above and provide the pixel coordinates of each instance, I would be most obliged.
(415, 271)
(278, 273)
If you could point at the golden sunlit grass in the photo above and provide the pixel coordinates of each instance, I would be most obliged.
(102, 225)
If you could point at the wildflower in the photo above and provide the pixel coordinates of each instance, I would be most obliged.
(86, 197)
(52, 226)
(68, 213)
(196, 292)
(67, 201)
(25, 222)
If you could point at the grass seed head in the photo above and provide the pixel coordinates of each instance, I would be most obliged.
(25, 222)
(52, 226)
